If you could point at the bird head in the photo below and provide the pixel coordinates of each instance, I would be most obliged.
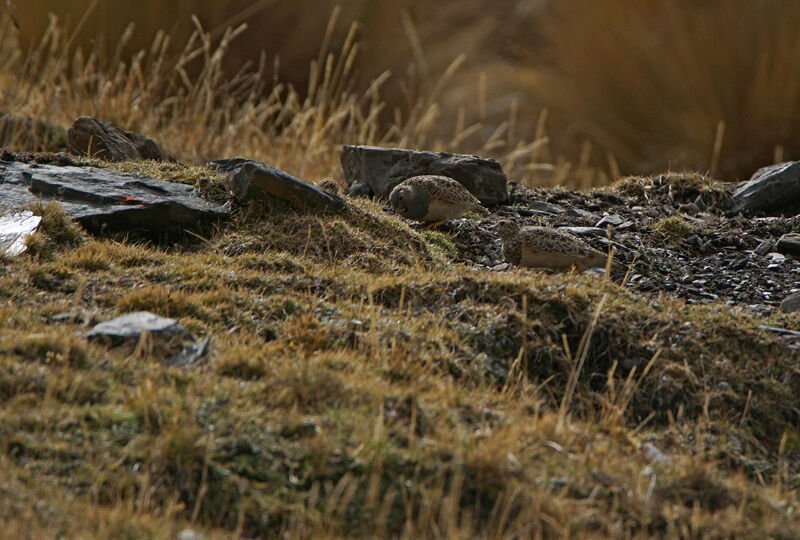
(409, 202)
(506, 228)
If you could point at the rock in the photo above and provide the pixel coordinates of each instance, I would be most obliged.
(97, 138)
(581, 213)
(14, 229)
(135, 324)
(654, 454)
(104, 199)
(764, 247)
(546, 208)
(191, 354)
(190, 534)
(610, 219)
(381, 169)
(774, 190)
(585, 231)
(251, 180)
(789, 244)
(791, 303)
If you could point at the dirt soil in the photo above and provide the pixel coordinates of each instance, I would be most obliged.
(670, 230)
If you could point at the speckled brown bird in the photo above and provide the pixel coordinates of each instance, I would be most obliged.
(432, 198)
(543, 247)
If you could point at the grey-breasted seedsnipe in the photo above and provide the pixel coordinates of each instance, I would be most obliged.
(434, 199)
(542, 247)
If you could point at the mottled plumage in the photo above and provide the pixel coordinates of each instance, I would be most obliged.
(542, 247)
(434, 199)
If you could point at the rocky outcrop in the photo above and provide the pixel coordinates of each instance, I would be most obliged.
(97, 138)
(104, 199)
(371, 170)
(253, 180)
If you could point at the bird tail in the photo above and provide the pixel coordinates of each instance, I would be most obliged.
(481, 209)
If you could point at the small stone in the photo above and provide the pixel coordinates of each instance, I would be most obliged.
(581, 213)
(500, 267)
(776, 258)
(764, 247)
(689, 208)
(610, 219)
(546, 208)
(791, 303)
(190, 534)
(191, 354)
(654, 454)
(135, 324)
(15, 229)
(585, 231)
(789, 244)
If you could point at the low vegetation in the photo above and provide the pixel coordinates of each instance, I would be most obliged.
(360, 383)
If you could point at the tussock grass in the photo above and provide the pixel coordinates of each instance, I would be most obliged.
(359, 382)
(390, 402)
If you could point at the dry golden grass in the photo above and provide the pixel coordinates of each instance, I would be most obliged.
(344, 401)
(630, 86)
(201, 113)
(360, 383)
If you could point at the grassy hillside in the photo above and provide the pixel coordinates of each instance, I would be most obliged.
(360, 382)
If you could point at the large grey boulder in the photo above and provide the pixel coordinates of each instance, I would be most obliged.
(104, 199)
(774, 190)
(372, 170)
(254, 180)
(91, 137)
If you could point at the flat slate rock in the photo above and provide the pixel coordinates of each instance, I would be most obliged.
(371, 170)
(14, 229)
(774, 190)
(104, 199)
(91, 137)
(135, 324)
(254, 180)
(585, 231)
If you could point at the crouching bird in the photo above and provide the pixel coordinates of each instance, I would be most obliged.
(542, 247)
(434, 199)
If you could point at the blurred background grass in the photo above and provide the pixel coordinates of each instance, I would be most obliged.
(626, 86)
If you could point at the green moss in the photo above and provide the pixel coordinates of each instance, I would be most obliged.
(674, 229)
